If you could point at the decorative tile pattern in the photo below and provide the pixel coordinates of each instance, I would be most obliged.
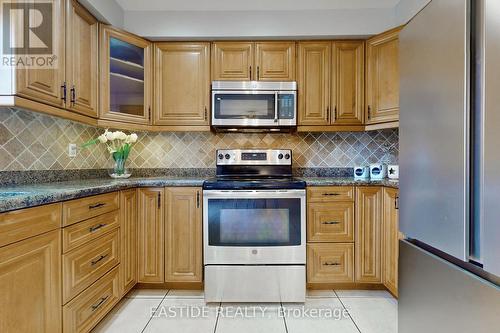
(32, 141)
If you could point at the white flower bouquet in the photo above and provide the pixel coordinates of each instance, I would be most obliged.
(119, 145)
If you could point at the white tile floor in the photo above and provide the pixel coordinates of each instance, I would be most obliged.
(184, 311)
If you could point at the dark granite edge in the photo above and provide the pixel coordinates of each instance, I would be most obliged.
(42, 194)
(11, 178)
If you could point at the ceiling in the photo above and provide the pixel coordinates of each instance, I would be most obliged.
(242, 5)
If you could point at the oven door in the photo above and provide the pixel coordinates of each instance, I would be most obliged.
(254, 227)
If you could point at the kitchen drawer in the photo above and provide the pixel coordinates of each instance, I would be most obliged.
(24, 223)
(330, 262)
(330, 222)
(80, 233)
(85, 208)
(330, 193)
(88, 308)
(84, 265)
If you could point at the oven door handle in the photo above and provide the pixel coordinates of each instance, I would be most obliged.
(254, 194)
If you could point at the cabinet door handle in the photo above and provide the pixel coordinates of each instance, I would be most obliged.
(96, 261)
(98, 304)
(327, 114)
(369, 112)
(97, 227)
(331, 264)
(206, 114)
(63, 87)
(335, 113)
(330, 222)
(198, 199)
(331, 194)
(73, 95)
(97, 205)
(396, 202)
(159, 200)
(258, 72)
(250, 72)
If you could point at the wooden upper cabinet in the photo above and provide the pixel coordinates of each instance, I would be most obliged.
(382, 78)
(30, 284)
(348, 71)
(125, 76)
(45, 85)
(390, 240)
(275, 61)
(81, 59)
(232, 61)
(314, 83)
(183, 235)
(368, 229)
(150, 235)
(128, 240)
(182, 84)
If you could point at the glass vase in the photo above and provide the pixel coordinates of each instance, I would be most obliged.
(119, 169)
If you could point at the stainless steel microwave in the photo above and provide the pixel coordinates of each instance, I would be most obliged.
(254, 105)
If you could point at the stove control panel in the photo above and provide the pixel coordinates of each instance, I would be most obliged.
(254, 157)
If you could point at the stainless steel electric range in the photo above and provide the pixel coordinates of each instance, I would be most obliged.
(254, 229)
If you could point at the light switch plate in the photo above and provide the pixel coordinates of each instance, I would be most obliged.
(72, 150)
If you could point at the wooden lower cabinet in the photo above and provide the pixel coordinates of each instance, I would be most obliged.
(330, 262)
(368, 226)
(183, 235)
(330, 222)
(150, 235)
(88, 308)
(86, 264)
(390, 241)
(128, 238)
(30, 285)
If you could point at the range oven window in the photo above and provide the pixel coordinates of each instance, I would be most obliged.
(254, 222)
(244, 106)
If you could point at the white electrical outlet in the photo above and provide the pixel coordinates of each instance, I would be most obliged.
(72, 150)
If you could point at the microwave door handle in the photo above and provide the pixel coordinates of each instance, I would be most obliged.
(275, 106)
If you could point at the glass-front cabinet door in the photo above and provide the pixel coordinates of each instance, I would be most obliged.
(125, 77)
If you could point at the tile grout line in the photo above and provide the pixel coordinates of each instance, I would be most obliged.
(157, 308)
(347, 311)
(217, 320)
(284, 319)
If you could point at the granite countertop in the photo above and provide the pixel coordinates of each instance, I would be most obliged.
(17, 197)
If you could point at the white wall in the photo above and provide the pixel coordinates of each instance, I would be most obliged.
(165, 25)
(406, 9)
(241, 24)
(107, 11)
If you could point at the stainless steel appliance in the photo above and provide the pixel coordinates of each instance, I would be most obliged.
(254, 224)
(254, 105)
(450, 161)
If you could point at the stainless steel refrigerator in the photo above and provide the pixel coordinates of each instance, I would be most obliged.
(450, 168)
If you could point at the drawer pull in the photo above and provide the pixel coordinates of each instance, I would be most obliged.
(98, 304)
(97, 227)
(97, 205)
(94, 262)
(331, 194)
(330, 222)
(331, 264)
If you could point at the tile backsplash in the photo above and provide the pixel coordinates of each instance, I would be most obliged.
(32, 141)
